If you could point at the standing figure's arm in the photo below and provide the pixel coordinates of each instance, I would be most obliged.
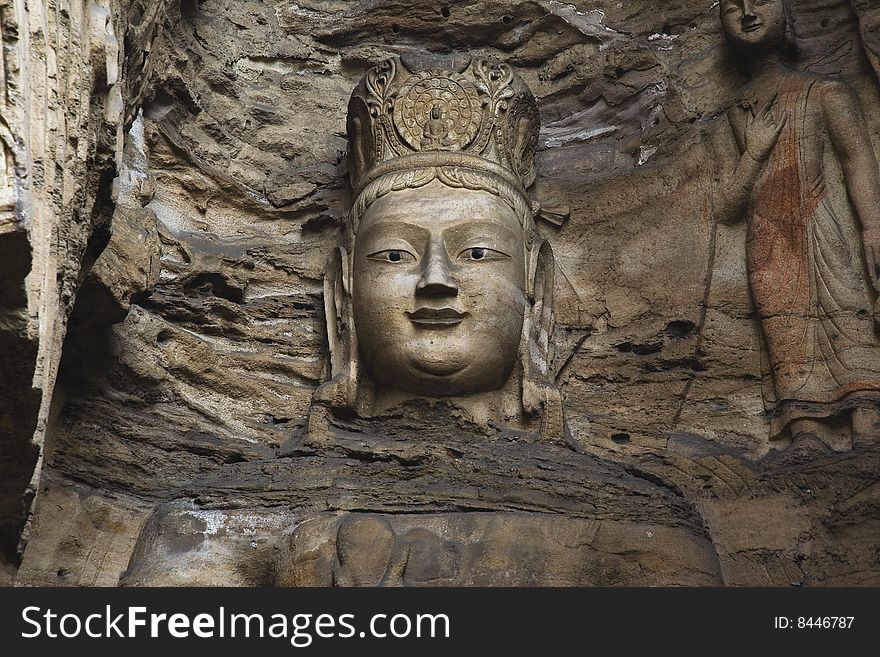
(848, 132)
(756, 140)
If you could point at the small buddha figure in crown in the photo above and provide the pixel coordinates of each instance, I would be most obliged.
(437, 130)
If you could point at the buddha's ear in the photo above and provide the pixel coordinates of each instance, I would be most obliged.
(539, 393)
(341, 390)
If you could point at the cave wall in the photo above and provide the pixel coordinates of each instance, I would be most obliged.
(66, 102)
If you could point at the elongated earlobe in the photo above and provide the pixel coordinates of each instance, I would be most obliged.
(341, 390)
(539, 393)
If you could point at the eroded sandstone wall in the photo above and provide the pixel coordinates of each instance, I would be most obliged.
(63, 113)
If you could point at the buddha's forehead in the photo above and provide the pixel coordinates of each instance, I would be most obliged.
(724, 4)
(436, 207)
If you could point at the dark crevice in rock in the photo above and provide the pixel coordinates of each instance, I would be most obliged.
(639, 349)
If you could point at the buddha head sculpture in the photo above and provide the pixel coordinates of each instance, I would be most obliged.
(442, 287)
(756, 27)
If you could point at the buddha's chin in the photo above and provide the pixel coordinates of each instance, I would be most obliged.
(438, 372)
(762, 39)
(437, 368)
(448, 378)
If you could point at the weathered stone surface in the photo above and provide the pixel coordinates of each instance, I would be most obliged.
(198, 338)
(869, 23)
(473, 549)
(62, 118)
(92, 536)
(492, 499)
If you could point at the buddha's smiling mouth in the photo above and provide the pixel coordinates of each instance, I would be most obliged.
(752, 27)
(436, 317)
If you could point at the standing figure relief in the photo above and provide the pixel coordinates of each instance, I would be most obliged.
(813, 259)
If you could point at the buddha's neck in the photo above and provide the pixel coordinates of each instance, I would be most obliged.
(767, 67)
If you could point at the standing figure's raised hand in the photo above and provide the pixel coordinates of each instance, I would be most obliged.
(763, 130)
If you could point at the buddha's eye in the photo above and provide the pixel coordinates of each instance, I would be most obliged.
(392, 255)
(481, 253)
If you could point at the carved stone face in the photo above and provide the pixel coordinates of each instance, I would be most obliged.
(438, 290)
(754, 23)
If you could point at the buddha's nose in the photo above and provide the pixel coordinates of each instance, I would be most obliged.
(748, 10)
(436, 281)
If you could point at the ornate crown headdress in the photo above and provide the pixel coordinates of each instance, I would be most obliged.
(417, 111)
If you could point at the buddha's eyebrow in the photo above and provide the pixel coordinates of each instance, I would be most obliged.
(400, 229)
(479, 228)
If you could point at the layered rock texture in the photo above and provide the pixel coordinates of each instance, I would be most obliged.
(63, 114)
(174, 184)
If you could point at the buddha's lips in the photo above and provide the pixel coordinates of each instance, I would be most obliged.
(436, 317)
(751, 27)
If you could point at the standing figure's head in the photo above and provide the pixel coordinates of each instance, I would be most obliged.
(756, 27)
(442, 287)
